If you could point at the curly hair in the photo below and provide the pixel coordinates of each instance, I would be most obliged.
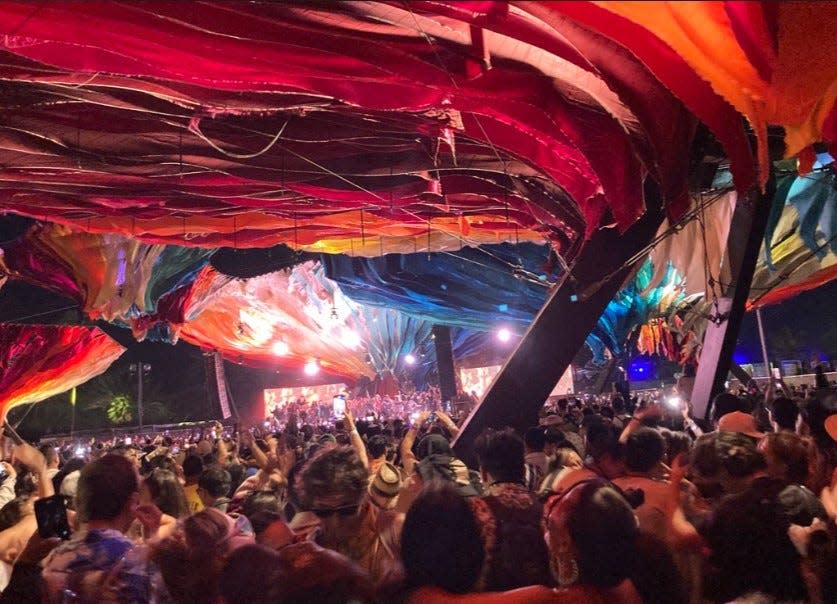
(332, 470)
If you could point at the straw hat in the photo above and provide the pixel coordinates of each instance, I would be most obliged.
(386, 482)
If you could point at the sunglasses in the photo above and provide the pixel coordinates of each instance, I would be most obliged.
(345, 511)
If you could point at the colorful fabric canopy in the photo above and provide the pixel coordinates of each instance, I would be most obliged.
(40, 361)
(480, 288)
(800, 250)
(354, 127)
(112, 277)
(773, 61)
(454, 154)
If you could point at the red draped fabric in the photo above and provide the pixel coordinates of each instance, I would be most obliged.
(39, 361)
(356, 126)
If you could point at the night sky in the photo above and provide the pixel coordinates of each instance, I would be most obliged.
(806, 323)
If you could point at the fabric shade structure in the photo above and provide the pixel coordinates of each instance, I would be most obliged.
(800, 249)
(111, 277)
(376, 127)
(169, 292)
(472, 287)
(39, 361)
(353, 127)
(765, 58)
(162, 292)
(404, 142)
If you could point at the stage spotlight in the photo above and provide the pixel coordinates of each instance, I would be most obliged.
(312, 368)
(410, 359)
(280, 349)
(504, 335)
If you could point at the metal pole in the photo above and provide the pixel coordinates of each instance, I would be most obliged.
(763, 344)
(140, 368)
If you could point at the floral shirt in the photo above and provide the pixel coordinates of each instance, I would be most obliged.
(101, 565)
(516, 555)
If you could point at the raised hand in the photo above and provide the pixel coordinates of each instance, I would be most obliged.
(30, 457)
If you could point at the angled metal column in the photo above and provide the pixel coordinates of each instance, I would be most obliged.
(560, 328)
(743, 245)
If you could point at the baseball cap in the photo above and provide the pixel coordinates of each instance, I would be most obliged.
(738, 421)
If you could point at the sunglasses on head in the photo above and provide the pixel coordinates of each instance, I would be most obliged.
(345, 511)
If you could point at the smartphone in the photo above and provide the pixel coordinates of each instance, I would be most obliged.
(777, 373)
(338, 404)
(51, 515)
(673, 402)
(128, 440)
(432, 418)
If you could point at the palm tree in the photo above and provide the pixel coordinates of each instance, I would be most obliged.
(120, 410)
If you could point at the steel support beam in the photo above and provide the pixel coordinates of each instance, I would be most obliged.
(560, 328)
(746, 233)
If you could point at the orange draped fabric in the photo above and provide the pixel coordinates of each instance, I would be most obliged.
(773, 61)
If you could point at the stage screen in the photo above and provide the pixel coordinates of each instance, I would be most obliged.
(277, 398)
(478, 379)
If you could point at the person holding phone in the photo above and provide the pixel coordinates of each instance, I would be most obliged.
(14, 540)
(102, 564)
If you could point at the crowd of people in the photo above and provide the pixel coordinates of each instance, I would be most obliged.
(606, 499)
(376, 406)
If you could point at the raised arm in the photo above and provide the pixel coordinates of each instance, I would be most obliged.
(408, 460)
(356, 440)
(652, 410)
(448, 422)
(258, 455)
(688, 422)
(34, 460)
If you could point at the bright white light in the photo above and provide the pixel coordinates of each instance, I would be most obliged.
(504, 335)
(410, 359)
(280, 349)
(255, 327)
(311, 368)
(673, 402)
(350, 338)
